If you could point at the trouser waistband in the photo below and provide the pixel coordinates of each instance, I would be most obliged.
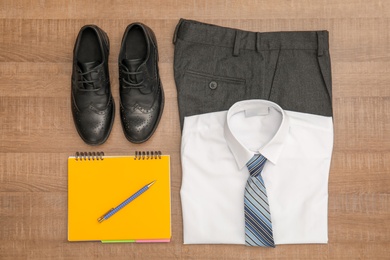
(197, 32)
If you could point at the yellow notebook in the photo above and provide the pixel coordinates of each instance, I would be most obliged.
(99, 183)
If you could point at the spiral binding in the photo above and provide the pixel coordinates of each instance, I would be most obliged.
(147, 155)
(89, 156)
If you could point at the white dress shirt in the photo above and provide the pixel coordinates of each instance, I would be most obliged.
(214, 151)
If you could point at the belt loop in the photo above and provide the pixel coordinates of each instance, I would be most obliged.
(237, 41)
(258, 42)
(176, 30)
(320, 43)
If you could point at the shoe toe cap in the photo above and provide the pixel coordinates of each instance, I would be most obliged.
(94, 127)
(138, 126)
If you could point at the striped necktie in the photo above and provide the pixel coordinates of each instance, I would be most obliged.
(258, 226)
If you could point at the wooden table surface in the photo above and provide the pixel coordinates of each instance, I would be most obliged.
(37, 133)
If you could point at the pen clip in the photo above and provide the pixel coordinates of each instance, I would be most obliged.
(101, 219)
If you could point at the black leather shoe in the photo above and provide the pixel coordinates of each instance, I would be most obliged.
(141, 92)
(92, 104)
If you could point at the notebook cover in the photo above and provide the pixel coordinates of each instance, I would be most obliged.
(96, 186)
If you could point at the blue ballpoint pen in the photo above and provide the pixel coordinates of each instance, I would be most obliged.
(123, 204)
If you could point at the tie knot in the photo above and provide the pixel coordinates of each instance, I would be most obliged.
(255, 164)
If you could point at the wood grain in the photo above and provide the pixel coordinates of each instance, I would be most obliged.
(37, 133)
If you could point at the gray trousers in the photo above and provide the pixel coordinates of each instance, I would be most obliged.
(215, 67)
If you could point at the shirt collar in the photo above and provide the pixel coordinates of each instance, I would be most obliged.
(270, 150)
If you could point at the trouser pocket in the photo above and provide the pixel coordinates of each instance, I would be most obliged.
(204, 93)
(302, 82)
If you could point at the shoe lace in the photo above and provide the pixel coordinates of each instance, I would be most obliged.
(129, 83)
(85, 80)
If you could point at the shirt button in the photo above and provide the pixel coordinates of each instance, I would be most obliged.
(213, 85)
